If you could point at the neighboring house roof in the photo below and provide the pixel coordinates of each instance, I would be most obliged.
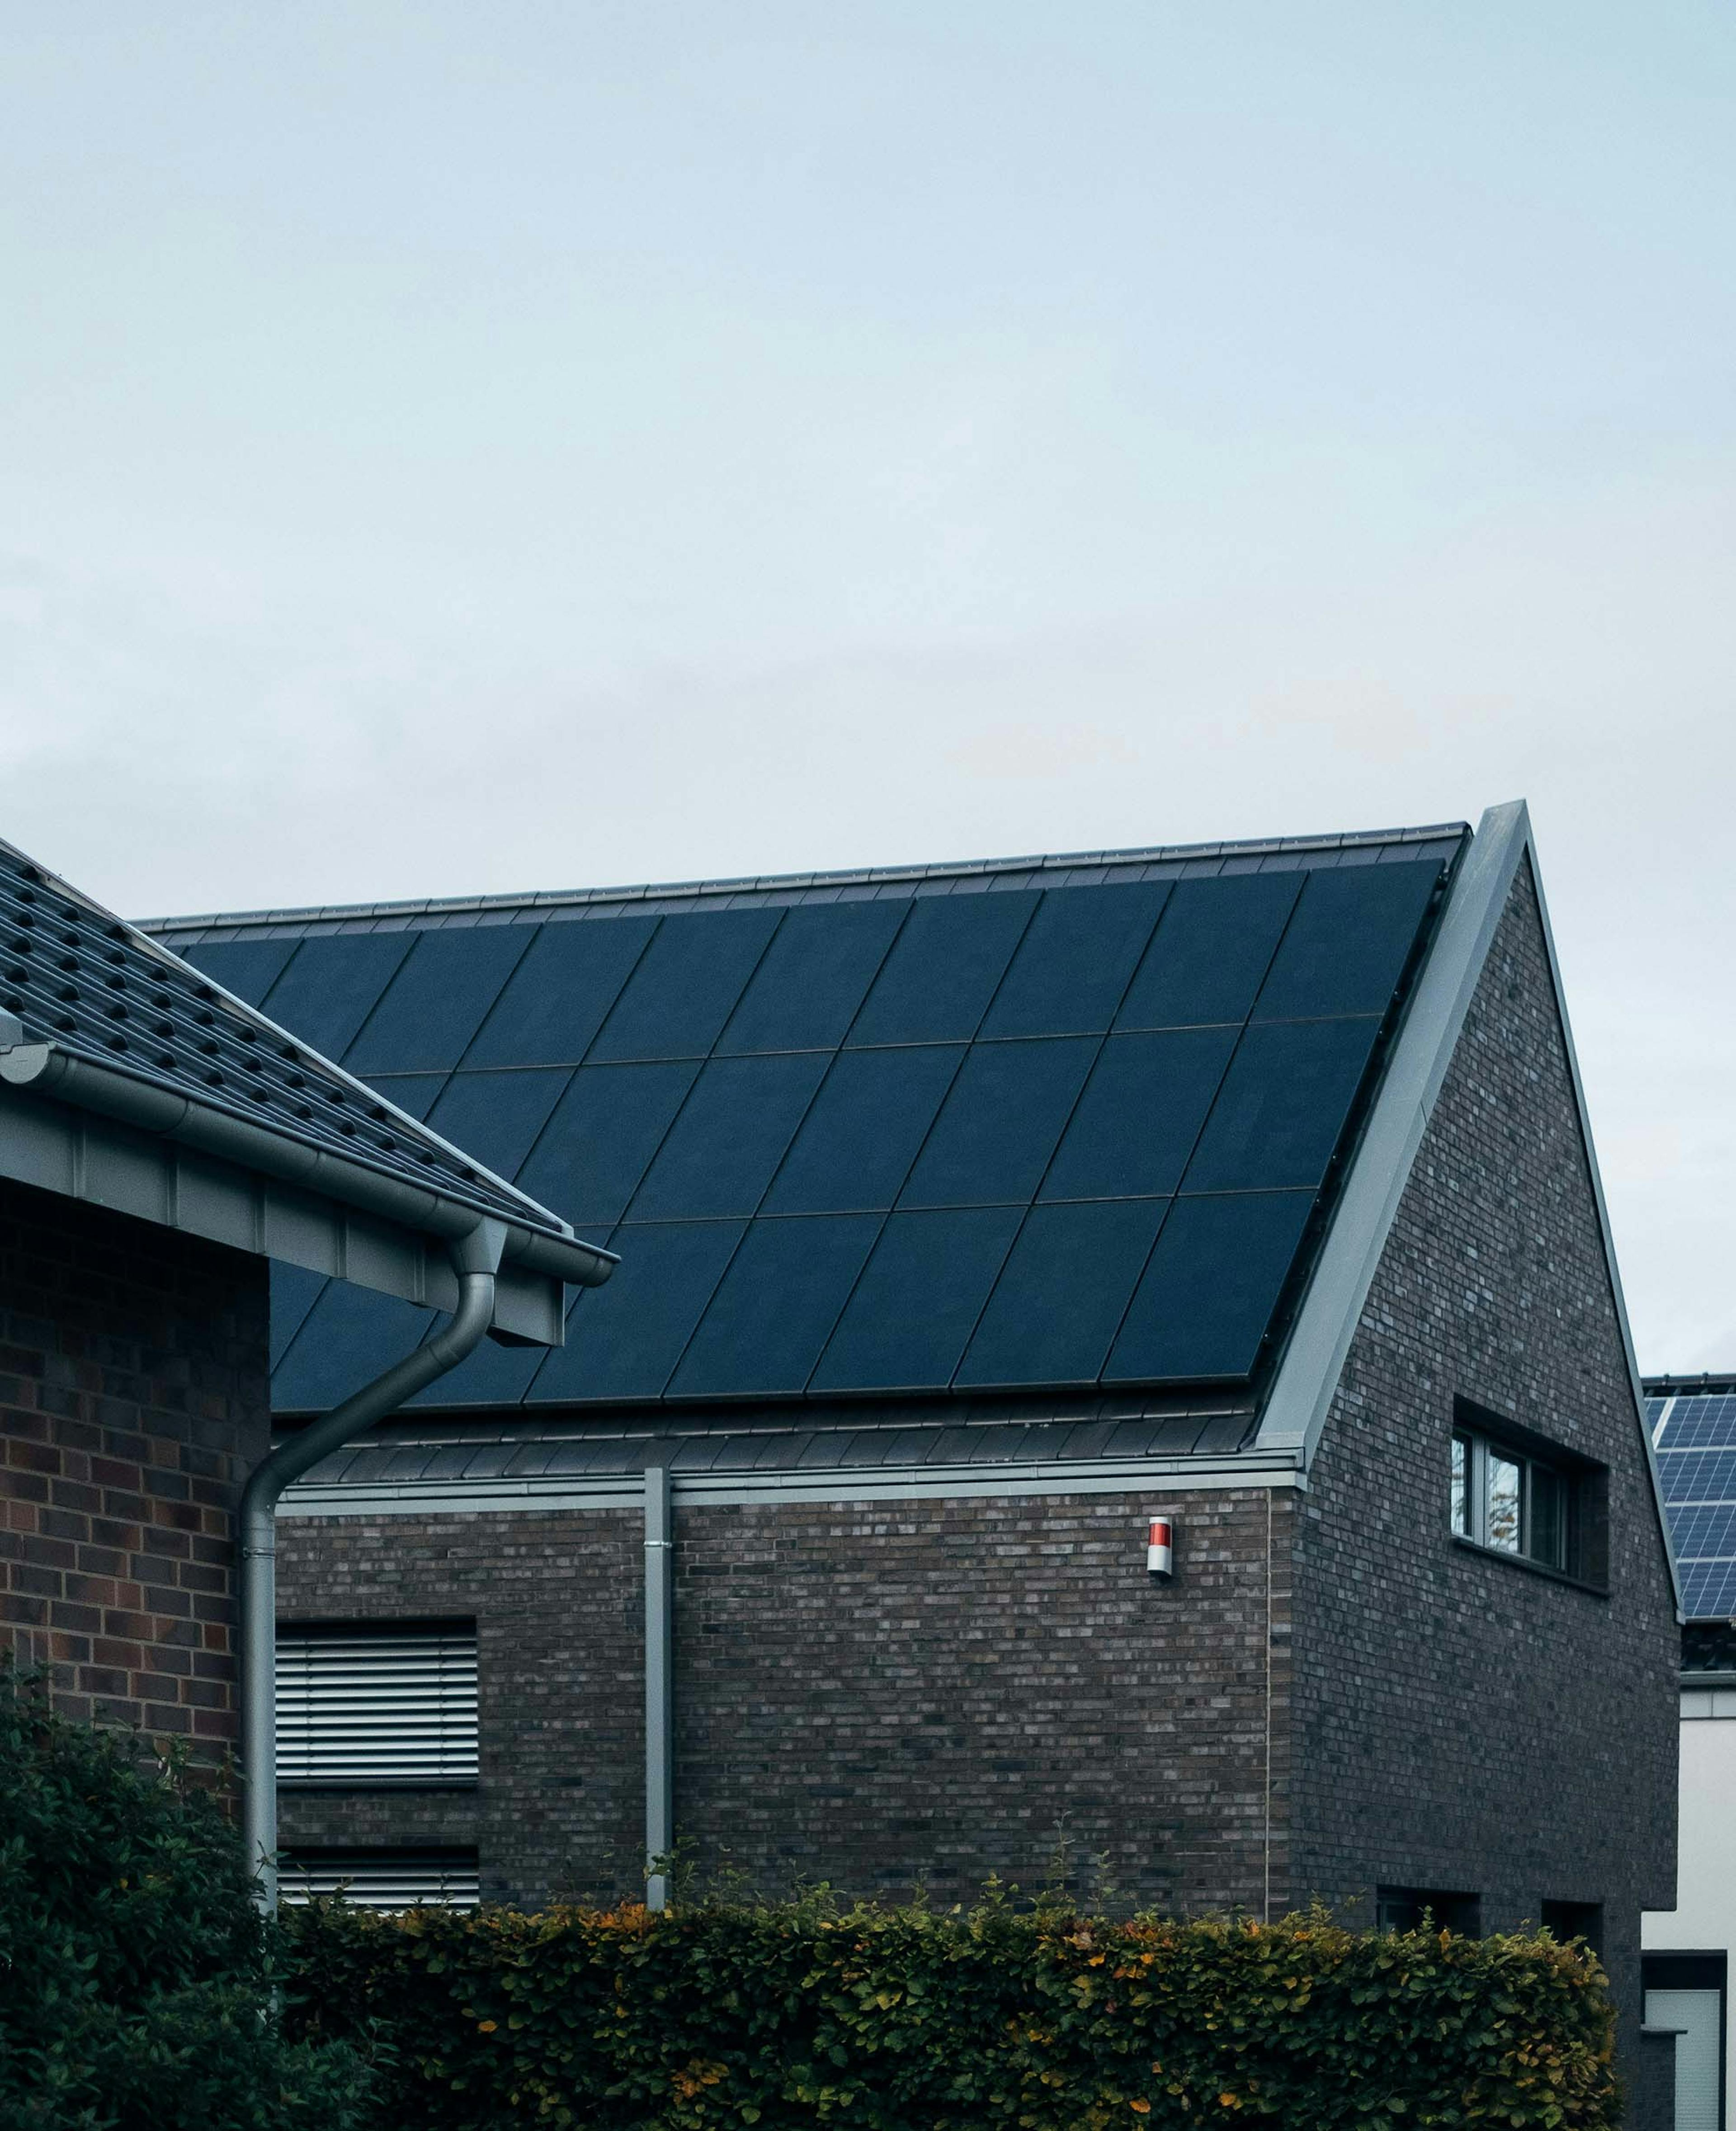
(1693, 1425)
(1069, 1126)
(128, 1077)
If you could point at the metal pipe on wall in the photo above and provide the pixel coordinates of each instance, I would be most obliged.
(659, 1685)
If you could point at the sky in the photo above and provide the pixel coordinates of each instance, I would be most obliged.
(451, 448)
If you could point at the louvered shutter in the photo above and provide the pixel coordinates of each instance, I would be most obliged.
(369, 1708)
(381, 1878)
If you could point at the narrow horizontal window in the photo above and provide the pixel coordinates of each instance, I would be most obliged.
(382, 1879)
(1505, 1499)
(366, 1705)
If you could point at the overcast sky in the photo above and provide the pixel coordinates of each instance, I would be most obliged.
(448, 446)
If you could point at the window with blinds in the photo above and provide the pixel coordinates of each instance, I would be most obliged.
(381, 1878)
(368, 1705)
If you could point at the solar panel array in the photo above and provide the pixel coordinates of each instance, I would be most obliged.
(78, 977)
(1694, 1440)
(1033, 1137)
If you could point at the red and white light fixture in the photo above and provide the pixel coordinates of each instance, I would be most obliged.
(1160, 1548)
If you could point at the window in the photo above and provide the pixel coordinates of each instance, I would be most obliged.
(381, 1878)
(1513, 1502)
(1408, 1909)
(1570, 1920)
(376, 1704)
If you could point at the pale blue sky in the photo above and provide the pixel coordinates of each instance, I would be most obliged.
(448, 447)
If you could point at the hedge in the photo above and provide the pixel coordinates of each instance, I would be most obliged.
(907, 2019)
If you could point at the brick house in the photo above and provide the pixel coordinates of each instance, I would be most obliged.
(969, 1218)
(161, 1146)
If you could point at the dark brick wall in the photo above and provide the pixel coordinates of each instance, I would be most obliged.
(880, 1695)
(133, 1398)
(1463, 1723)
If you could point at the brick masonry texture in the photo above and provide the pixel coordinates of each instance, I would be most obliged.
(1333, 1696)
(1462, 1723)
(134, 1396)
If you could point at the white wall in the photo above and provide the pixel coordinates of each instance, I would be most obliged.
(1704, 1920)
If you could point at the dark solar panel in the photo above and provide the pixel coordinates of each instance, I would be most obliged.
(918, 1301)
(294, 1291)
(1211, 951)
(776, 1306)
(1072, 966)
(412, 1093)
(248, 968)
(434, 1005)
(554, 1001)
(1055, 1306)
(1694, 1422)
(1000, 1123)
(1210, 1288)
(1697, 1475)
(1346, 945)
(868, 1121)
(936, 984)
(627, 1345)
(1709, 1590)
(347, 1338)
(602, 1136)
(1705, 1532)
(815, 974)
(493, 1375)
(720, 1153)
(329, 985)
(1140, 1114)
(495, 1117)
(685, 986)
(1282, 1106)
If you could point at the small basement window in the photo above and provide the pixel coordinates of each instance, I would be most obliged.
(1532, 1503)
(380, 1704)
(382, 1879)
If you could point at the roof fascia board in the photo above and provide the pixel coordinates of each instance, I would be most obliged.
(1296, 1409)
(1157, 1478)
(102, 1161)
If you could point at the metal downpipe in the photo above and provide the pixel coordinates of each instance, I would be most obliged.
(477, 1259)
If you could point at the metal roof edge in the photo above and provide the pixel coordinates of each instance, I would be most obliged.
(1707, 1383)
(1301, 1393)
(955, 869)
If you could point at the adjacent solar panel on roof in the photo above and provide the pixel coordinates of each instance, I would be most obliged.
(346, 1340)
(555, 1000)
(1347, 941)
(685, 985)
(999, 1124)
(602, 1134)
(719, 1155)
(1057, 1305)
(867, 1125)
(248, 968)
(1166, 1082)
(1072, 967)
(1208, 1294)
(329, 986)
(428, 1013)
(497, 1116)
(628, 1346)
(917, 1301)
(1210, 954)
(935, 985)
(1282, 1107)
(816, 972)
(777, 1304)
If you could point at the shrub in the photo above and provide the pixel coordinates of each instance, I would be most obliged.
(909, 2020)
(135, 1977)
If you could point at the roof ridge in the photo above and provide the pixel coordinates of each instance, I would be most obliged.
(761, 884)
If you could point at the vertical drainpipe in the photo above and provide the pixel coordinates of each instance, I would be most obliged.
(659, 1685)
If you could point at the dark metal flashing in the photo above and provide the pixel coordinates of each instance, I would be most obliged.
(974, 876)
(1708, 1384)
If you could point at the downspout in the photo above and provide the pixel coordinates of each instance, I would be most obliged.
(477, 1257)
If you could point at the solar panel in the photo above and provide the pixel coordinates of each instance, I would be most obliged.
(1000, 1123)
(1705, 1532)
(412, 1091)
(1709, 1590)
(602, 1136)
(346, 1340)
(1140, 1114)
(428, 1013)
(815, 974)
(1055, 1306)
(778, 1302)
(329, 985)
(1282, 1106)
(1697, 1422)
(248, 968)
(1211, 951)
(1697, 1475)
(868, 1121)
(719, 1155)
(685, 986)
(1072, 966)
(917, 1301)
(294, 1291)
(1210, 1288)
(936, 982)
(495, 1117)
(627, 1347)
(555, 1000)
(1347, 942)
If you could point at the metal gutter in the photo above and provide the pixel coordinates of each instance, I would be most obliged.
(46, 1069)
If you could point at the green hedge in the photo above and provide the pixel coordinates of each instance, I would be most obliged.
(911, 2020)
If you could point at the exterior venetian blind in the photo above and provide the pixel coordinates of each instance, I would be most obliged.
(362, 1706)
(381, 1878)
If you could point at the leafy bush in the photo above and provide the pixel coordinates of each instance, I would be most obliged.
(135, 1977)
(910, 2020)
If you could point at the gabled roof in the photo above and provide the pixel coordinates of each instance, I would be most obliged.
(99, 1019)
(987, 1131)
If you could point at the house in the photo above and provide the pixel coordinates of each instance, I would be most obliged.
(161, 1145)
(1688, 1948)
(973, 1220)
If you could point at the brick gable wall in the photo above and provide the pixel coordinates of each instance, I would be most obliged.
(133, 1399)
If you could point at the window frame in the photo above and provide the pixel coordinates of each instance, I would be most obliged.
(1575, 1488)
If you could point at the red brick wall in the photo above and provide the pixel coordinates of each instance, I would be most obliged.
(133, 1399)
